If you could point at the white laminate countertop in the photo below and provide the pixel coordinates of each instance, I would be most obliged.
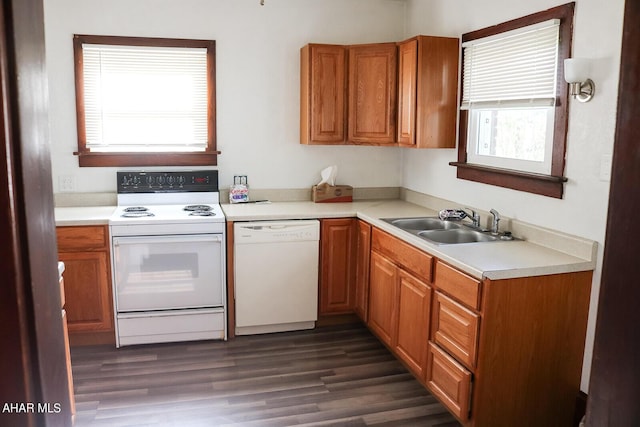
(492, 260)
(91, 215)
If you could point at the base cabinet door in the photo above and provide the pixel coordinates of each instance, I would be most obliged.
(383, 297)
(363, 254)
(89, 306)
(337, 266)
(413, 322)
(87, 291)
(449, 381)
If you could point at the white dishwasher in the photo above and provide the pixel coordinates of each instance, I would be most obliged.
(276, 275)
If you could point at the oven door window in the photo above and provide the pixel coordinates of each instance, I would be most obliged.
(168, 272)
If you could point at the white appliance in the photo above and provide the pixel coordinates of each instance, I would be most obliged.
(168, 258)
(276, 275)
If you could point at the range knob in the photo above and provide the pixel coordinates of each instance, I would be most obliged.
(136, 180)
(150, 180)
(170, 180)
(161, 180)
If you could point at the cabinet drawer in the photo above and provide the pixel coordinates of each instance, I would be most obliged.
(449, 381)
(413, 259)
(464, 288)
(456, 329)
(82, 238)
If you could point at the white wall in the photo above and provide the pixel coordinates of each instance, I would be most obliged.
(258, 63)
(583, 210)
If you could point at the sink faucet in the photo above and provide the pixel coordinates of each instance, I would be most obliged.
(460, 214)
(474, 217)
(496, 219)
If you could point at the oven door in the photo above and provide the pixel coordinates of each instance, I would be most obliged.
(168, 272)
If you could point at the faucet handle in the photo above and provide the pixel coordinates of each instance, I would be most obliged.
(496, 219)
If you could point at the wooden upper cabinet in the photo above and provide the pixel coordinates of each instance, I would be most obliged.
(427, 92)
(323, 85)
(372, 93)
(407, 79)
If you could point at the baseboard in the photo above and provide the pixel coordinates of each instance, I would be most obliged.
(337, 319)
(91, 338)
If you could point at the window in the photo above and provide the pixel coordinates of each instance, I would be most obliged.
(513, 111)
(145, 102)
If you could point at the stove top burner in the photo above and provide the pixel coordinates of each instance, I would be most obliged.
(136, 214)
(136, 209)
(202, 213)
(199, 208)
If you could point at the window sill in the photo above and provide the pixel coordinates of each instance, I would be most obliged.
(147, 159)
(545, 185)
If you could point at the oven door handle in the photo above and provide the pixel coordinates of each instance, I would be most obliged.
(167, 239)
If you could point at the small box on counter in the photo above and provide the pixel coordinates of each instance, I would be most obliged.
(324, 193)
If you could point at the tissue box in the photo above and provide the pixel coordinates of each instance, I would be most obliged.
(332, 193)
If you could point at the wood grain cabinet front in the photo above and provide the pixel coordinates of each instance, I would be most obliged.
(494, 352)
(372, 93)
(337, 266)
(363, 255)
(323, 87)
(449, 381)
(392, 94)
(383, 298)
(413, 322)
(85, 253)
(399, 299)
(455, 329)
(427, 92)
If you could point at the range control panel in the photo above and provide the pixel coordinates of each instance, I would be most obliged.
(167, 182)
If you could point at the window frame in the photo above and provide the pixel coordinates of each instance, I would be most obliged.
(551, 185)
(86, 158)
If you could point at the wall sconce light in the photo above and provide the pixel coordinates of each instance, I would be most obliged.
(576, 73)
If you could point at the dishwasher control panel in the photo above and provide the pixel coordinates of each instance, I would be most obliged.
(276, 231)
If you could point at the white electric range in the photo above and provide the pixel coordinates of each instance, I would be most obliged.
(168, 257)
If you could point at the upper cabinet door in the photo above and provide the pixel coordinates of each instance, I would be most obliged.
(428, 87)
(407, 80)
(322, 94)
(372, 93)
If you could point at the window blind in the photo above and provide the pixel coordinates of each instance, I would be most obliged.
(513, 69)
(145, 99)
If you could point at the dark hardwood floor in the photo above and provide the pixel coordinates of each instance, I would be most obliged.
(331, 376)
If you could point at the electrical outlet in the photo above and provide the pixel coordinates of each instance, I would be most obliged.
(67, 183)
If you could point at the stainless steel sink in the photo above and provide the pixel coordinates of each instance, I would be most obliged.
(424, 223)
(459, 235)
(437, 231)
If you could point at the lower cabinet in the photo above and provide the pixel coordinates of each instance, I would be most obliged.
(383, 298)
(363, 255)
(449, 381)
(414, 302)
(337, 285)
(85, 253)
(494, 352)
(399, 301)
